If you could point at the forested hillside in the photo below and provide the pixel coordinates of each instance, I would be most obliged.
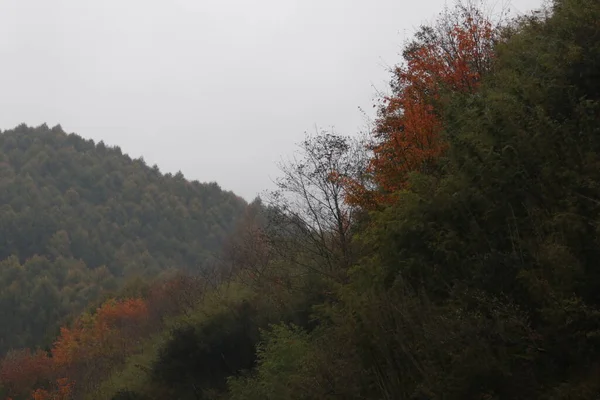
(78, 218)
(453, 255)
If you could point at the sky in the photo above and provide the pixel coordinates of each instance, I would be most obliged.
(220, 90)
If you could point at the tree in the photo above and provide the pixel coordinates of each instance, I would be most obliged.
(451, 56)
(21, 371)
(311, 224)
(96, 342)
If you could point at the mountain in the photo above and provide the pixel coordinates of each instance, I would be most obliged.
(78, 218)
(454, 257)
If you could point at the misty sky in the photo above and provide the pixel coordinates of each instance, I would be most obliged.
(219, 89)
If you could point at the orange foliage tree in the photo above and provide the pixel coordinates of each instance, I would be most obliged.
(62, 391)
(22, 370)
(93, 343)
(452, 55)
(98, 336)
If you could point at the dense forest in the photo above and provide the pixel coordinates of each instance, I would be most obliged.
(452, 254)
(79, 219)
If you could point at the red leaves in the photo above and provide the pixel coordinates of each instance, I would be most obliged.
(22, 370)
(93, 340)
(120, 314)
(94, 343)
(62, 391)
(95, 336)
(451, 56)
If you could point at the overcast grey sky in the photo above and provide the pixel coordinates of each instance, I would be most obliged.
(219, 89)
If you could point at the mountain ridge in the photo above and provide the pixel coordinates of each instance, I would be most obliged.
(76, 205)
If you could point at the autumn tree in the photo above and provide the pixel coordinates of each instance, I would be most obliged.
(451, 55)
(62, 389)
(23, 370)
(96, 342)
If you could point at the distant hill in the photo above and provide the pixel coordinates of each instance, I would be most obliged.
(77, 218)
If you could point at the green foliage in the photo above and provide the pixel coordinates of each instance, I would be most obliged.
(77, 219)
(295, 364)
(134, 376)
(478, 281)
(495, 260)
(167, 364)
(36, 297)
(204, 356)
(283, 362)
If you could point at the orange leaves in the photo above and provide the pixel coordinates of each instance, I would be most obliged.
(65, 347)
(93, 340)
(40, 394)
(88, 347)
(119, 314)
(62, 391)
(85, 350)
(408, 131)
(92, 336)
(450, 56)
(22, 370)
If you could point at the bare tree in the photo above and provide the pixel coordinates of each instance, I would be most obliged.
(311, 224)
